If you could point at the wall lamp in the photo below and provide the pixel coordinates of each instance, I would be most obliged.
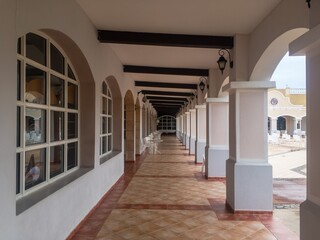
(309, 3)
(222, 61)
(144, 99)
(203, 83)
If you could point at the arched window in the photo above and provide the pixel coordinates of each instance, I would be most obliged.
(166, 123)
(106, 121)
(47, 113)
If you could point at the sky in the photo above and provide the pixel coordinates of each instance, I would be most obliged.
(290, 72)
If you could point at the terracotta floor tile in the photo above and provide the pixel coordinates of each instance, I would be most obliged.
(165, 196)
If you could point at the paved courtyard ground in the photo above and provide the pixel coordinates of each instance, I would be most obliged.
(288, 159)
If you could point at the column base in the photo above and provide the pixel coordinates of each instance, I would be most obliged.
(200, 150)
(249, 186)
(192, 146)
(309, 220)
(216, 161)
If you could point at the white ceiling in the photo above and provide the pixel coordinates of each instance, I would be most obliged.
(194, 17)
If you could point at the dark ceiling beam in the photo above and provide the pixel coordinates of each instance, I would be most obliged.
(167, 71)
(163, 39)
(185, 94)
(165, 85)
(167, 98)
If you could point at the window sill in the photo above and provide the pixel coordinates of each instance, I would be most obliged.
(109, 156)
(33, 198)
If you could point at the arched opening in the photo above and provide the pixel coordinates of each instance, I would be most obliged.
(116, 115)
(286, 148)
(129, 121)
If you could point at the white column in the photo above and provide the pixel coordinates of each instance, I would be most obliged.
(184, 129)
(193, 126)
(177, 127)
(200, 132)
(248, 173)
(217, 137)
(187, 130)
(309, 45)
(274, 125)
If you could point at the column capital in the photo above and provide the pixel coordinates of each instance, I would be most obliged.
(202, 106)
(307, 43)
(232, 86)
(192, 110)
(217, 100)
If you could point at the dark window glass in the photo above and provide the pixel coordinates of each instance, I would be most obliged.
(19, 46)
(18, 173)
(35, 167)
(104, 88)
(35, 126)
(57, 126)
(36, 48)
(72, 125)
(72, 155)
(104, 125)
(18, 80)
(72, 96)
(56, 91)
(56, 160)
(18, 126)
(56, 59)
(35, 85)
(109, 143)
(103, 144)
(109, 125)
(104, 105)
(71, 74)
(109, 107)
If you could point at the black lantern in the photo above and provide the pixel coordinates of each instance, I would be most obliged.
(144, 99)
(308, 2)
(202, 84)
(222, 61)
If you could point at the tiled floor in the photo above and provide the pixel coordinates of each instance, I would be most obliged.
(164, 196)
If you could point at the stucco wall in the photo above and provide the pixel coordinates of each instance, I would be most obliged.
(58, 214)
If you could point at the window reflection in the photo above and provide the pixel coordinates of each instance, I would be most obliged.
(35, 167)
(56, 59)
(35, 126)
(36, 48)
(56, 160)
(70, 73)
(57, 126)
(56, 91)
(35, 85)
(72, 96)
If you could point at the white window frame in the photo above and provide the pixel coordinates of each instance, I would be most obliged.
(109, 117)
(23, 148)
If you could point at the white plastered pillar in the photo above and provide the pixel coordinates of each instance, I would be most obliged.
(273, 126)
(309, 45)
(187, 130)
(193, 126)
(248, 173)
(184, 129)
(200, 132)
(217, 137)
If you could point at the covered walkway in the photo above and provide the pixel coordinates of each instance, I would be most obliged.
(165, 196)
